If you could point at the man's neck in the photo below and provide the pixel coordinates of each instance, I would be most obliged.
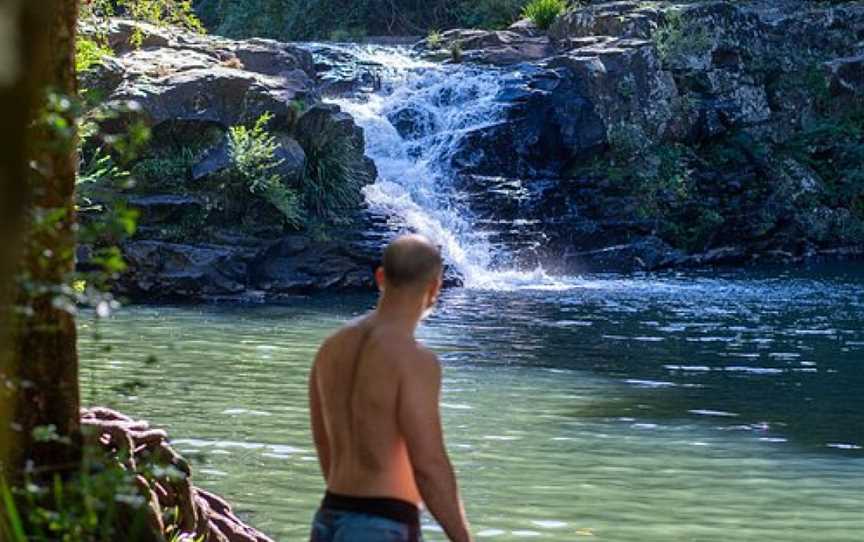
(402, 311)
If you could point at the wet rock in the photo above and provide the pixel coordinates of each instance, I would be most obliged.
(643, 254)
(166, 208)
(846, 76)
(160, 271)
(342, 74)
(413, 122)
(298, 265)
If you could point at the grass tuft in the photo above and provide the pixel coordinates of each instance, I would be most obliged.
(544, 12)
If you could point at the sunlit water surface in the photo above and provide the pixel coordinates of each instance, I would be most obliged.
(647, 409)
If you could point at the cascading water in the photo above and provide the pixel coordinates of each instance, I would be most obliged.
(415, 123)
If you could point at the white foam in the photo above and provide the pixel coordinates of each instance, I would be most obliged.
(415, 176)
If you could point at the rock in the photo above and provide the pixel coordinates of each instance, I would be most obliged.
(291, 267)
(413, 122)
(204, 238)
(846, 76)
(293, 159)
(328, 123)
(621, 19)
(547, 123)
(497, 47)
(217, 159)
(525, 27)
(160, 271)
(216, 94)
(643, 254)
(166, 208)
(342, 74)
(625, 82)
(273, 58)
(102, 78)
(122, 31)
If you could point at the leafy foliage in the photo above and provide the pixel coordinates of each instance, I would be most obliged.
(834, 148)
(337, 19)
(253, 157)
(158, 12)
(544, 12)
(89, 53)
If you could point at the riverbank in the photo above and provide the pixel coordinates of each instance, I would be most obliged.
(174, 508)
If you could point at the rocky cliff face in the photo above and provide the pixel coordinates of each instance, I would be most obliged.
(659, 134)
(202, 232)
(637, 136)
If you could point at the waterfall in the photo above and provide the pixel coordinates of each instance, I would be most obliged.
(414, 124)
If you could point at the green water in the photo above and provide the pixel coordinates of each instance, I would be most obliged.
(680, 407)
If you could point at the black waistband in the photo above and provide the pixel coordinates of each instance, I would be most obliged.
(393, 509)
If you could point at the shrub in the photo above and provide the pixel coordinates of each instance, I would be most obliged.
(434, 40)
(164, 171)
(456, 53)
(678, 37)
(544, 12)
(89, 53)
(253, 159)
(334, 175)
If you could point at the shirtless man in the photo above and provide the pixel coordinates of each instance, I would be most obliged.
(374, 394)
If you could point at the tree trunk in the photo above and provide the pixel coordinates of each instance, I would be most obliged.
(43, 361)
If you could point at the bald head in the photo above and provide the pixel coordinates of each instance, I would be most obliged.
(411, 260)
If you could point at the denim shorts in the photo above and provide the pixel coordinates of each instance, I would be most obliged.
(346, 526)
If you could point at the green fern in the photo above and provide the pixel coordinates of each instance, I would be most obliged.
(253, 158)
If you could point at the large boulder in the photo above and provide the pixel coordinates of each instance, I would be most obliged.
(628, 19)
(298, 264)
(178, 76)
(340, 73)
(160, 271)
(497, 47)
(625, 82)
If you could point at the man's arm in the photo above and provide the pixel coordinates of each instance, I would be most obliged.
(319, 431)
(420, 423)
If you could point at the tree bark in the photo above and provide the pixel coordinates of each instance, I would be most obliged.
(42, 360)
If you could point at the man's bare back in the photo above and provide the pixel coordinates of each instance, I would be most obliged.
(374, 402)
(359, 373)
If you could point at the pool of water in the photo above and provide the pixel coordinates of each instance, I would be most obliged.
(675, 407)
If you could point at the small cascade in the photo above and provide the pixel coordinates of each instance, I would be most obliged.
(416, 121)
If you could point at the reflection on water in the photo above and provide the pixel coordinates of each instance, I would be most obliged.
(654, 409)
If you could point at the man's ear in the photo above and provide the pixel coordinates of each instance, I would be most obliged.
(435, 288)
(380, 278)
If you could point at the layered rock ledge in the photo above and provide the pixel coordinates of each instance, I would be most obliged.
(646, 135)
(203, 234)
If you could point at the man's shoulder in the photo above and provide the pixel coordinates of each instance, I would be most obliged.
(419, 360)
(347, 332)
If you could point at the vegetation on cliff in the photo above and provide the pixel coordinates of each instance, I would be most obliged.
(336, 19)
